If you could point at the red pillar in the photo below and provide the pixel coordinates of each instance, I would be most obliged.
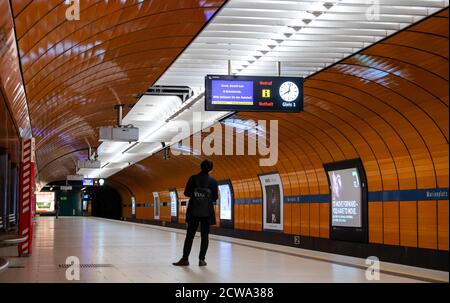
(27, 198)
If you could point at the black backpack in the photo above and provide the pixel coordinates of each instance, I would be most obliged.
(201, 199)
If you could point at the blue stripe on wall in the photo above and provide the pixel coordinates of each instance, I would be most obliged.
(410, 195)
(248, 201)
(307, 199)
(380, 196)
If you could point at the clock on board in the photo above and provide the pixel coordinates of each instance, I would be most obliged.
(289, 91)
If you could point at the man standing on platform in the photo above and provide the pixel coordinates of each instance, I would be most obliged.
(202, 191)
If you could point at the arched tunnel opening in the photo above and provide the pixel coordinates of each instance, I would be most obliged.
(105, 202)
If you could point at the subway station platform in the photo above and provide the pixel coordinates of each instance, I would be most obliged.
(310, 138)
(122, 252)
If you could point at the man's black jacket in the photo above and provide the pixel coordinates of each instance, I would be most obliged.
(189, 192)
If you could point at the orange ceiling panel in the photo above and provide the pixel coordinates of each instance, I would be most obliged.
(76, 71)
(10, 73)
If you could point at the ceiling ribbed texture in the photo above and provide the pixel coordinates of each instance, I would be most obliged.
(76, 71)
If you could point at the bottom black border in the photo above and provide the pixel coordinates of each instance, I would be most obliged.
(167, 292)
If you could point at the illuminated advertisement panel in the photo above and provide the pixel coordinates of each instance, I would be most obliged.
(346, 197)
(348, 193)
(173, 204)
(133, 206)
(45, 202)
(226, 204)
(272, 190)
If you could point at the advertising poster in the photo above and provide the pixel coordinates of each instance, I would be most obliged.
(133, 206)
(173, 203)
(346, 197)
(45, 202)
(156, 205)
(88, 182)
(272, 202)
(225, 202)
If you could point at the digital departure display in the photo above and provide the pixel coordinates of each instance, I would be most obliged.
(226, 92)
(346, 197)
(133, 206)
(248, 93)
(88, 182)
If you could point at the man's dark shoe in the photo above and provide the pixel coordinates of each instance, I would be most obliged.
(202, 263)
(182, 262)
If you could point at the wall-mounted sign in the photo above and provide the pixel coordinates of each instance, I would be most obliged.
(93, 182)
(251, 93)
(156, 205)
(348, 190)
(45, 202)
(133, 206)
(226, 204)
(88, 182)
(272, 201)
(225, 201)
(173, 203)
(345, 197)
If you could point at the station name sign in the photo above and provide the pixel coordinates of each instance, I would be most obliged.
(253, 93)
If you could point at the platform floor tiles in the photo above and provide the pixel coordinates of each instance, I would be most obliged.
(116, 251)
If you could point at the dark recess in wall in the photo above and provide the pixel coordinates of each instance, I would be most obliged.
(106, 202)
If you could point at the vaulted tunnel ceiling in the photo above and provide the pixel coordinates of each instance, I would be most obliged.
(74, 72)
(387, 105)
(258, 37)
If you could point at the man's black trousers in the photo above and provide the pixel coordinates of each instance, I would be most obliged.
(191, 230)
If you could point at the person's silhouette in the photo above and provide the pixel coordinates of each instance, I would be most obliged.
(200, 187)
(57, 209)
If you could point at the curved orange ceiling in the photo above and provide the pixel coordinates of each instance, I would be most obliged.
(387, 105)
(76, 71)
(10, 74)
